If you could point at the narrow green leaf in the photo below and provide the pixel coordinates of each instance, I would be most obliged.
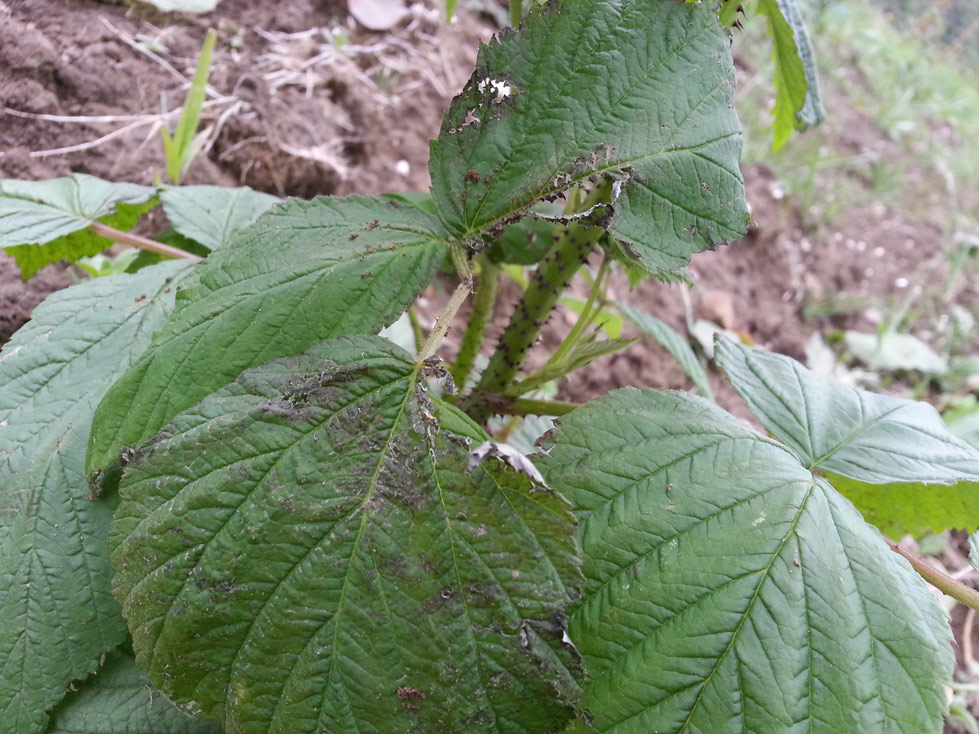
(912, 508)
(119, 699)
(306, 550)
(797, 99)
(212, 215)
(56, 613)
(190, 117)
(303, 272)
(42, 222)
(638, 90)
(581, 355)
(862, 435)
(672, 342)
(728, 590)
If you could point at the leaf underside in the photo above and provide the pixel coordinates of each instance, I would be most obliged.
(57, 615)
(304, 272)
(42, 222)
(306, 551)
(638, 90)
(728, 590)
(869, 437)
(212, 215)
(120, 700)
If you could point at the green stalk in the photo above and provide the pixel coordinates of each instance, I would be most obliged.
(586, 316)
(482, 312)
(568, 252)
(516, 12)
(416, 327)
(941, 581)
(529, 406)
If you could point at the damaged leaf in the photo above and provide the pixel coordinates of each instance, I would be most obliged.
(639, 90)
(307, 550)
(306, 271)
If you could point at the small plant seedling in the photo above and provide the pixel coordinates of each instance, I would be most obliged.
(223, 485)
(182, 147)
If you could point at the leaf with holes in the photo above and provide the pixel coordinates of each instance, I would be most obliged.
(305, 550)
(57, 615)
(304, 272)
(42, 222)
(727, 589)
(639, 90)
(120, 700)
(872, 438)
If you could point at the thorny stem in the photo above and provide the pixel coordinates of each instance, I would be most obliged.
(568, 252)
(482, 312)
(529, 406)
(941, 581)
(127, 238)
(444, 320)
(584, 319)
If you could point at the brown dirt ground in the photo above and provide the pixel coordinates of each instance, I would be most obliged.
(292, 116)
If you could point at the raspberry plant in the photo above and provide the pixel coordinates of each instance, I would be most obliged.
(219, 478)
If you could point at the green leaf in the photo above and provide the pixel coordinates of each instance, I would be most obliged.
(180, 149)
(638, 90)
(913, 508)
(304, 272)
(868, 437)
(582, 354)
(727, 590)
(672, 342)
(797, 99)
(119, 699)
(306, 551)
(42, 222)
(728, 12)
(892, 351)
(56, 612)
(212, 215)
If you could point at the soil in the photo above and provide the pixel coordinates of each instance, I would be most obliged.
(333, 110)
(340, 109)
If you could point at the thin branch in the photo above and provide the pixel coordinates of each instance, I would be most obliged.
(444, 321)
(940, 580)
(143, 243)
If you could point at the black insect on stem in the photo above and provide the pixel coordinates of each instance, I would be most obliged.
(554, 272)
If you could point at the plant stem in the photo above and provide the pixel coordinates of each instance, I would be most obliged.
(941, 581)
(444, 320)
(585, 318)
(127, 238)
(482, 312)
(529, 406)
(417, 328)
(555, 270)
(516, 12)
